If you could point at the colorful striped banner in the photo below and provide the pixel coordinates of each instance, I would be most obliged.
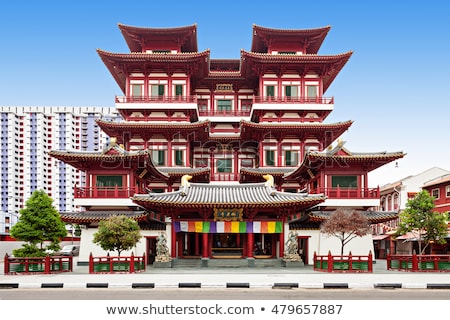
(228, 226)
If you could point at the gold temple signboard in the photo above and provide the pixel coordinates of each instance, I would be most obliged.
(224, 87)
(227, 214)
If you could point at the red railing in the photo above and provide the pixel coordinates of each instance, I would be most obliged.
(348, 263)
(33, 265)
(129, 264)
(224, 113)
(156, 99)
(269, 99)
(224, 177)
(106, 192)
(419, 263)
(348, 193)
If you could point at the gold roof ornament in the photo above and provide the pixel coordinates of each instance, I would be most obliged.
(269, 180)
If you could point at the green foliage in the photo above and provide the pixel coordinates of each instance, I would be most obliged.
(346, 224)
(420, 219)
(29, 250)
(39, 221)
(118, 233)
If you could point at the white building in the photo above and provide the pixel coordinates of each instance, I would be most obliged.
(27, 135)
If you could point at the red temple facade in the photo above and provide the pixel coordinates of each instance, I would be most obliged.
(226, 156)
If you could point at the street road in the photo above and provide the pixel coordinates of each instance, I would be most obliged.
(222, 294)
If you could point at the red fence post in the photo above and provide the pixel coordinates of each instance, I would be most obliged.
(370, 262)
(47, 264)
(91, 263)
(314, 260)
(330, 262)
(132, 263)
(350, 261)
(143, 262)
(6, 265)
(415, 264)
(388, 261)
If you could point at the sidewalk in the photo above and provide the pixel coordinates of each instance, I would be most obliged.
(304, 277)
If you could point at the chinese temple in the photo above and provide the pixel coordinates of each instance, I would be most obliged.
(226, 157)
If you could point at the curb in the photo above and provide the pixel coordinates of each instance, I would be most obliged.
(230, 285)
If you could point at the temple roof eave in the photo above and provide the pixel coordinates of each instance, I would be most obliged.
(253, 195)
(135, 35)
(314, 36)
(317, 160)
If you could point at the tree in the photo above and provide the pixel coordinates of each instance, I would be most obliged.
(39, 221)
(117, 233)
(346, 224)
(420, 219)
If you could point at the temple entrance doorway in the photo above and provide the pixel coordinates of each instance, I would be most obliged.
(264, 246)
(190, 244)
(227, 246)
(151, 249)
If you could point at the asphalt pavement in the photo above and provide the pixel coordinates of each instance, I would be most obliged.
(207, 277)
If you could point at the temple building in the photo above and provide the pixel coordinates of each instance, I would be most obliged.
(226, 157)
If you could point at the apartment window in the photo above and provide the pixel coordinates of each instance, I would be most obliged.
(223, 105)
(136, 90)
(447, 191)
(109, 181)
(344, 181)
(435, 193)
(158, 157)
(157, 90)
(270, 157)
(291, 91)
(290, 158)
(178, 90)
(270, 91)
(223, 165)
(179, 157)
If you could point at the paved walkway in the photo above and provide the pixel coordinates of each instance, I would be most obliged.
(304, 277)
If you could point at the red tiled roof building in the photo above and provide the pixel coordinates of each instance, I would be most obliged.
(226, 156)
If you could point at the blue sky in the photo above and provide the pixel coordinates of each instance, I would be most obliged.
(395, 86)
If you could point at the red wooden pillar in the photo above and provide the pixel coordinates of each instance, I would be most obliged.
(250, 244)
(173, 243)
(205, 251)
(281, 244)
(197, 244)
(370, 262)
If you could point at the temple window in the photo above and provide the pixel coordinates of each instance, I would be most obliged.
(224, 165)
(157, 90)
(109, 181)
(291, 91)
(290, 158)
(435, 193)
(270, 91)
(158, 190)
(224, 105)
(159, 157)
(447, 191)
(344, 181)
(178, 90)
(311, 92)
(290, 190)
(136, 90)
(269, 158)
(179, 157)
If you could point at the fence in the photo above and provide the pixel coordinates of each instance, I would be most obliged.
(345, 263)
(419, 263)
(33, 265)
(118, 264)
